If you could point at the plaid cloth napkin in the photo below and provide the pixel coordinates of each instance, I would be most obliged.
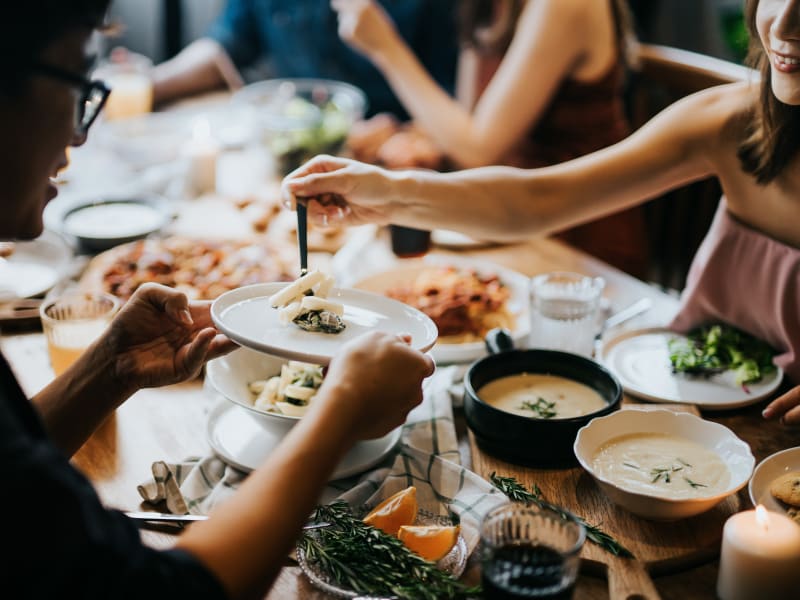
(427, 457)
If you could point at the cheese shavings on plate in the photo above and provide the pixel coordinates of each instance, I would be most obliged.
(289, 393)
(304, 303)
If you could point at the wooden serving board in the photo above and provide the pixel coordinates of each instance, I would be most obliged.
(658, 547)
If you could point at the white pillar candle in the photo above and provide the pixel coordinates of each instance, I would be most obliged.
(760, 558)
(201, 153)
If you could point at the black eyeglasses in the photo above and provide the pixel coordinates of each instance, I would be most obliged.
(93, 94)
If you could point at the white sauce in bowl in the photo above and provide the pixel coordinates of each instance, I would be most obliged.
(113, 220)
(661, 465)
(541, 396)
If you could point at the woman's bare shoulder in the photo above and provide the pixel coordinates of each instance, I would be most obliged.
(717, 107)
(709, 120)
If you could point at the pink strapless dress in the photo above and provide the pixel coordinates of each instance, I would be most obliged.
(742, 277)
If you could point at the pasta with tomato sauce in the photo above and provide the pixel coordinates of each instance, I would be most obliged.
(464, 304)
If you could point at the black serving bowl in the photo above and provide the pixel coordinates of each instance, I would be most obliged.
(531, 441)
(135, 218)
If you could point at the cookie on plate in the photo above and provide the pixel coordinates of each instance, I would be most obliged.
(794, 513)
(786, 488)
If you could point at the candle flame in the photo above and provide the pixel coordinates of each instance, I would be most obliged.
(762, 516)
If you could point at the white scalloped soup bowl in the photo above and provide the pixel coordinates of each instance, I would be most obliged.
(733, 451)
(230, 375)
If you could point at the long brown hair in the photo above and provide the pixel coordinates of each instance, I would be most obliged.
(478, 16)
(772, 134)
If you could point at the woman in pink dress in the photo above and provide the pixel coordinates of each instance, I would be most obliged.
(746, 134)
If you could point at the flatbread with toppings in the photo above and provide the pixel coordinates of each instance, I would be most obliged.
(203, 269)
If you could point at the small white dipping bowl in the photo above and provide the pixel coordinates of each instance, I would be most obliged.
(231, 374)
(734, 452)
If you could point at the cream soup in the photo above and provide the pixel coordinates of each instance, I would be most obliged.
(113, 220)
(661, 465)
(541, 396)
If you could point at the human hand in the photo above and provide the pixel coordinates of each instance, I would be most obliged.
(159, 338)
(365, 26)
(340, 190)
(366, 137)
(410, 148)
(372, 385)
(785, 407)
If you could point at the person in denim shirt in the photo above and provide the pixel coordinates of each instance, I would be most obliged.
(298, 38)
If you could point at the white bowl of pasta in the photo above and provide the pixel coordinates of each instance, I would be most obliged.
(465, 298)
(270, 388)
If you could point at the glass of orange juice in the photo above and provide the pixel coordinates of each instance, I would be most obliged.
(72, 322)
(129, 76)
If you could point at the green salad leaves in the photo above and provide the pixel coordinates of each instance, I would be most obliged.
(712, 349)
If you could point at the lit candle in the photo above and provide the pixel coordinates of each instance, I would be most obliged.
(760, 558)
(201, 152)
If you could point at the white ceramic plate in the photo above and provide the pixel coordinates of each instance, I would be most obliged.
(733, 451)
(34, 267)
(767, 471)
(245, 316)
(640, 360)
(443, 353)
(245, 443)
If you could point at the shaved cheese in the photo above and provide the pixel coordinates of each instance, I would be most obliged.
(292, 410)
(324, 287)
(299, 365)
(258, 386)
(289, 313)
(298, 392)
(310, 303)
(296, 289)
(269, 394)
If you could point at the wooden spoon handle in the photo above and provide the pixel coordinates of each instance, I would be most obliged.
(629, 580)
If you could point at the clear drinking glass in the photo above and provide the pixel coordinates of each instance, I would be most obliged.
(564, 308)
(129, 76)
(72, 322)
(529, 552)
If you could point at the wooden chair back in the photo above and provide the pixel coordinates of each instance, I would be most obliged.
(677, 221)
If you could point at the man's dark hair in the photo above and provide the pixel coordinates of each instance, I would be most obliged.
(29, 26)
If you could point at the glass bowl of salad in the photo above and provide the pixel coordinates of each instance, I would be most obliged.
(300, 118)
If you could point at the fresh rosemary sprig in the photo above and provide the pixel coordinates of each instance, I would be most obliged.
(542, 408)
(364, 559)
(518, 493)
(694, 484)
(665, 473)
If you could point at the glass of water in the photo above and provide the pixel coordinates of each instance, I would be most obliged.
(530, 552)
(564, 309)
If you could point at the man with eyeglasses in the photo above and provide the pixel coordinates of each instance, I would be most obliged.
(91, 98)
(64, 542)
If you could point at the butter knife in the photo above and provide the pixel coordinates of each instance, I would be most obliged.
(155, 517)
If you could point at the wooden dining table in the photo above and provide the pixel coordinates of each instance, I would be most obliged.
(170, 423)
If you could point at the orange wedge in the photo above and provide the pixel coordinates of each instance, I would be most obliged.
(394, 512)
(431, 542)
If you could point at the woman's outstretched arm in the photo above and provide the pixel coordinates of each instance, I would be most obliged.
(507, 204)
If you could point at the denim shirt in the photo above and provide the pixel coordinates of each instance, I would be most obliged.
(299, 38)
